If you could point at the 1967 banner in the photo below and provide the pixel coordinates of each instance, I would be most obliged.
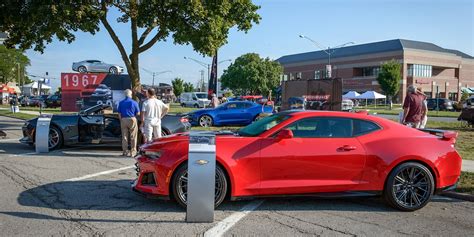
(83, 90)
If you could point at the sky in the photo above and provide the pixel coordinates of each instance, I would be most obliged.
(446, 23)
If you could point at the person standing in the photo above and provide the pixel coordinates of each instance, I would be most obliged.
(14, 104)
(128, 110)
(413, 108)
(424, 115)
(214, 101)
(153, 110)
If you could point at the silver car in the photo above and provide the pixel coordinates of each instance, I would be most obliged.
(96, 66)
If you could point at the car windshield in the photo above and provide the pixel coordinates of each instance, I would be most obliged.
(262, 125)
(201, 95)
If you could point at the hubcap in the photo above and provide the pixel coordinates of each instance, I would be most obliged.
(82, 69)
(113, 70)
(205, 121)
(53, 139)
(411, 187)
(183, 186)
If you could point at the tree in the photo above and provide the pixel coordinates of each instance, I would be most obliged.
(389, 79)
(188, 87)
(250, 74)
(12, 65)
(178, 86)
(203, 24)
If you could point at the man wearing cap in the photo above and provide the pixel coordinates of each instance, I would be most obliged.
(128, 110)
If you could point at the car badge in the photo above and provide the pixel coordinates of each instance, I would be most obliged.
(202, 162)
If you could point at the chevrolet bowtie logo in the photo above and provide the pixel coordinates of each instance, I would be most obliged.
(202, 162)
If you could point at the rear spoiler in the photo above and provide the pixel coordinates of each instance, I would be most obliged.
(443, 134)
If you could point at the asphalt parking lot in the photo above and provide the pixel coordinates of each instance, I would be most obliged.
(86, 191)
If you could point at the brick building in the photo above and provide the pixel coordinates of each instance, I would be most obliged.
(426, 65)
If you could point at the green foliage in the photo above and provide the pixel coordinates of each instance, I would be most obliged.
(464, 96)
(178, 86)
(252, 75)
(228, 94)
(389, 78)
(188, 87)
(203, 24)
(12, 64)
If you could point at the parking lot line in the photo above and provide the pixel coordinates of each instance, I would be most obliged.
(9, 140)
(231, 220)
(99, 174)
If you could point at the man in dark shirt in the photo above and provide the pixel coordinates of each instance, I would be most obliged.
(413, 109)
(128, 110)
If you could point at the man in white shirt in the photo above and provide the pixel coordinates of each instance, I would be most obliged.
(153, 110)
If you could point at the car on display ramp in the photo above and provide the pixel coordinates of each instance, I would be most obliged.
(318, 153)
(230, 113)
(96, 124)
(96, 66)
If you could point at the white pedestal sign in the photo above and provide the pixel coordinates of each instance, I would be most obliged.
(42, 135)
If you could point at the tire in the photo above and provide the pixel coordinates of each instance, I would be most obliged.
(113, 70)
(196, 106)
(183, 105)
(412, 180)
(205, 121)
(82, 69)
(179, 185)
(54, 133)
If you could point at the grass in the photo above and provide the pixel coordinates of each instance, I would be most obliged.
(17, 115)
(466, 183)
(431, 113)
(176, 108)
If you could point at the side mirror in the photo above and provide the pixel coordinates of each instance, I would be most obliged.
(284, 134)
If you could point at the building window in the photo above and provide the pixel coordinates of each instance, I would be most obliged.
(419, 70)
(298, 75)
(317, 74)
(292, 77)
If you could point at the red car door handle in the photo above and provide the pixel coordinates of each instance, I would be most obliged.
(348, 148)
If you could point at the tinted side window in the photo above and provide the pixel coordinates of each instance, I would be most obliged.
(362, 127)
(322, 127)
(232, 106)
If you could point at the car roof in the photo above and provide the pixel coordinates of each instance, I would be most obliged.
(325, 113)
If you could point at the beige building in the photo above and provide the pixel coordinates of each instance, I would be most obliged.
(426, 65)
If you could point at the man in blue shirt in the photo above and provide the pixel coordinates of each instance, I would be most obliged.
(128, 110)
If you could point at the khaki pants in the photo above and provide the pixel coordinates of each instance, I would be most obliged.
(129, 128)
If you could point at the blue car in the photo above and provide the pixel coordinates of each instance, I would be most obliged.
(230, 113)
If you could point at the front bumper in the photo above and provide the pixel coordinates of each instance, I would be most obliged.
(152, 179)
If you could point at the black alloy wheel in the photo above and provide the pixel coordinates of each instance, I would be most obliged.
(409, 186)
(55, 138)
(180, 185)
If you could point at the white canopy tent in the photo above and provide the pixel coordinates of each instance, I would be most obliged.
(32, 89)
(371, 95)
(351, 95)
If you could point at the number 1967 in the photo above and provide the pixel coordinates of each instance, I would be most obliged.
(78, 81)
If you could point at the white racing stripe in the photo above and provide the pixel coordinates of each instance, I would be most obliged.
(99, 174)
(231, 220)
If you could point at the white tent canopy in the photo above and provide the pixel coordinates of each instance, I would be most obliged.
(371, 95)
(351, 95)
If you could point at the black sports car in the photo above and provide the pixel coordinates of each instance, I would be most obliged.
(94, 125)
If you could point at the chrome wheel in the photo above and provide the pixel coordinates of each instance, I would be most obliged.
(82, 69)
(220, 187)
(409, 186)
(113, 70)
(205, 121)
(54, 138)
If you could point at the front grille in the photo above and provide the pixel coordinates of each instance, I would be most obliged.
(137, 168)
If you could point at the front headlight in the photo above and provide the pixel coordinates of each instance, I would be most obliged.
(151, 154)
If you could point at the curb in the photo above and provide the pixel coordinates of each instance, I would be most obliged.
(462, 196)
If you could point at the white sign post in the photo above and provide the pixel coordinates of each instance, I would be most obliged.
(201, 177)
(42, 135)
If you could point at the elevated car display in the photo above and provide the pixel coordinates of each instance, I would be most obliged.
(312, 153)
(230, 113)
(92, 126)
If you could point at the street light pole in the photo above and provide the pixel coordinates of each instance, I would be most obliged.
(203, 64)
(329, 51)
(154, 74)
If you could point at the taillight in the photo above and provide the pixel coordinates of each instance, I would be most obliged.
(184, 120)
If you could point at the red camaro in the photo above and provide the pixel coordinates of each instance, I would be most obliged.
(317, 153)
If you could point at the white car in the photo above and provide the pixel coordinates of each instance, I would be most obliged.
(194, 99)
(96, 66)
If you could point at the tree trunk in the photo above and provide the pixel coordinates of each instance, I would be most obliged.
(390, 104)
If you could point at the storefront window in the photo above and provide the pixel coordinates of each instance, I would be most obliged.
(419, 70)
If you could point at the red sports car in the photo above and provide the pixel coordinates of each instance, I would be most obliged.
(312, 153)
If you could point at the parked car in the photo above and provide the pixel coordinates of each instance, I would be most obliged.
(347, 105)
(26, 100)
(443, 104)
(53, 101)
(96, 66)
(194, 99)
(38, 101)
(230, 113)
(96, 124)
(301, 153)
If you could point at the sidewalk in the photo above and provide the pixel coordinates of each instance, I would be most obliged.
(468, 166)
